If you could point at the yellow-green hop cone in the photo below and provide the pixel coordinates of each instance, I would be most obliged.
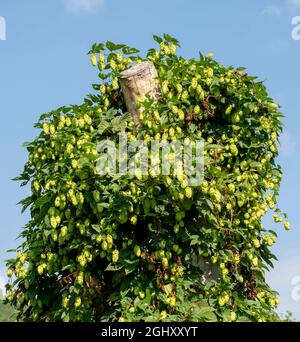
(113, 64)
(53, 222)
(232, 316)
(194, 83)
(115, 255)
(179, 87)
(40, 269)
(119, 57)
(209, 56)
(101, 58)
(188, 192)
(180, 114)
(68, 122)
(272, 106)
(46, 128)
(103, 88)
(52, 129)
(74, 163)
(77, 302)
(115, 84)
(93, 60)
(65, 302)
(197, 109)
(173, 49)
(80, 278)
(133, 220)
(163, 314)
(109, 239)
(9, 272)
(255, 261)
(256, 243)
(221, 301)
(165, 262)
(137, 251)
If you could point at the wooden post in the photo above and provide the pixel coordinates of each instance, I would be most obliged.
(210, 271)
(136, 82)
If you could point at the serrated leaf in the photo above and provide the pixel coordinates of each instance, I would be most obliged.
(113, 267)
(97, 228)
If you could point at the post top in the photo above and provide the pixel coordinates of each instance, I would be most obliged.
(137, 69)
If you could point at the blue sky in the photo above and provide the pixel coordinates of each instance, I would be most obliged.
(43, 65)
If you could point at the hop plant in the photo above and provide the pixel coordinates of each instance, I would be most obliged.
(127, 243)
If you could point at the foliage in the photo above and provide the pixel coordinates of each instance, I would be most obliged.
(7, 313)
(120, 247)
(286, 317)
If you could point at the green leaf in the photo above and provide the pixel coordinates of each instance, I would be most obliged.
(157, 39)
(170, 39)
(129, 51)
(113, 267)
(97, 228)
(111, 46)
(41, 201)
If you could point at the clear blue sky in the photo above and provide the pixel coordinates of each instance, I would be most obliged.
(43, 65)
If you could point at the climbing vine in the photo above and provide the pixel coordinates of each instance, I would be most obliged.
(110, 247)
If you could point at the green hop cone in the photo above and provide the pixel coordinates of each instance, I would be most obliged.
(93, 60)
